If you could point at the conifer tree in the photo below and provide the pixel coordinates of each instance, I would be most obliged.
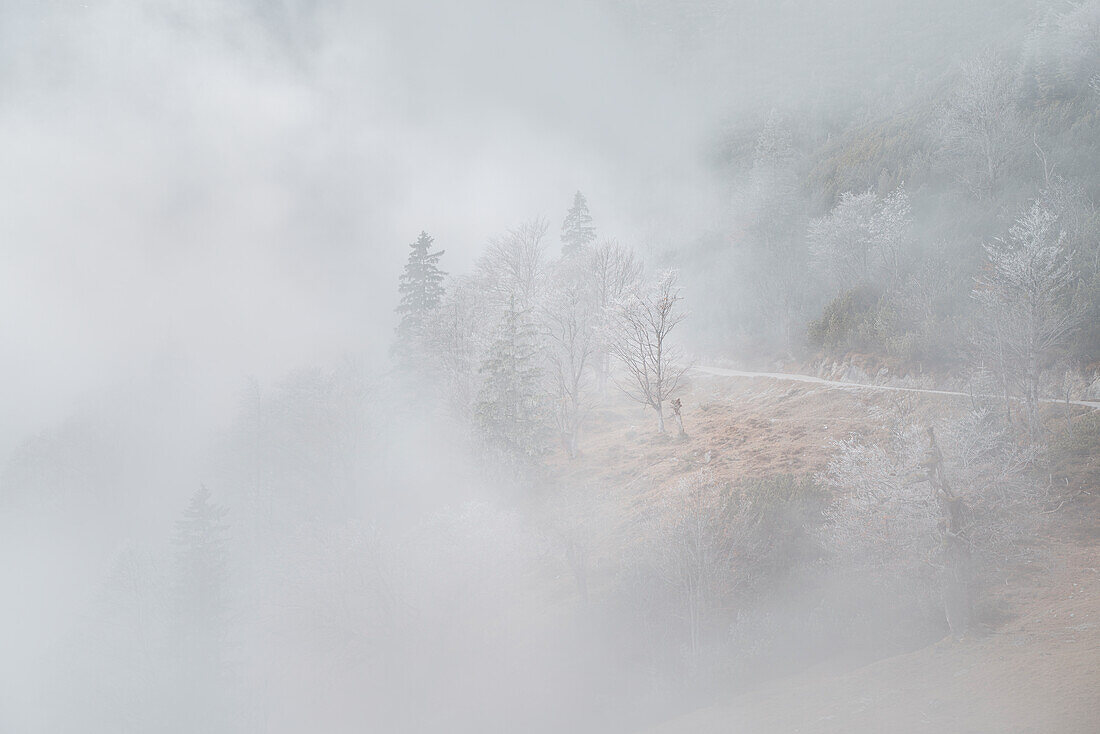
(200, 541)
(509, 409)
(577, 231)
(202, 701)
(421, 290)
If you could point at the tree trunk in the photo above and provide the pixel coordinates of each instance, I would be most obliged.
(694, 604)
(958, 576)
(1033, 402)
(660, 418)
(578, 564)
(957, 584)
(569, 442)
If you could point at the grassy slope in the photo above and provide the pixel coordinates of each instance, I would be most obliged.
(1040, 671)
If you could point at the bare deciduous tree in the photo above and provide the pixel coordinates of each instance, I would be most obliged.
(456, 339)
(982, 127)
(864, 236)
(654, 365)
(569, 326)
(614, 272)
(513, 268)
(574, 516)
(771, 212)
(703, 530)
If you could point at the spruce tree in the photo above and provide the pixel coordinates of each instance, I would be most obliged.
(200, 541)
(201, 690)
(421, 289)
(577, 231)
(509, 410)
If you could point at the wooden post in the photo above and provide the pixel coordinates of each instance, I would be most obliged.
(676, 406)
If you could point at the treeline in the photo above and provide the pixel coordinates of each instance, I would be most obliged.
(522, 349)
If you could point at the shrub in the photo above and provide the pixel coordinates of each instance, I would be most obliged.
(1081, 441)
(846, 322)
(787, 512)
(888, 522)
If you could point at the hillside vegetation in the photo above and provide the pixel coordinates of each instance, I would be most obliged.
(864, 228)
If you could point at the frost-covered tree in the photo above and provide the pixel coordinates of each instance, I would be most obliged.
(577, 231)
(710, 542)
(774, 150)
(421, 289)
(569, 322)
(654, 365)
(695, 542)
(613, 271)
(1078, 215)
(510, 410)
(1061, 52)
(574, 516)
(934, 511)
(1026, 312)
(864, 236)
(1063, 49)
(115, 669)
(894, 234)
(513, 269)
(769, 206)
(771, 212)
(456, 339)
(981, 128)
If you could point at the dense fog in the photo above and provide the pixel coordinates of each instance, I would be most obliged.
(363, 361)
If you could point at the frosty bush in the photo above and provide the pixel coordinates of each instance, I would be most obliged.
(927, 511)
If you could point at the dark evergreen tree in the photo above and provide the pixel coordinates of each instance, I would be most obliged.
(510, 410)
(577, 231)
(201, 605)
(421, 290)
(200, 541)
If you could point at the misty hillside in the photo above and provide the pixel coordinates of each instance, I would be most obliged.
(594, 366)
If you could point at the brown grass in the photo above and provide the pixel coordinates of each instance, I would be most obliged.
(1038, 671)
